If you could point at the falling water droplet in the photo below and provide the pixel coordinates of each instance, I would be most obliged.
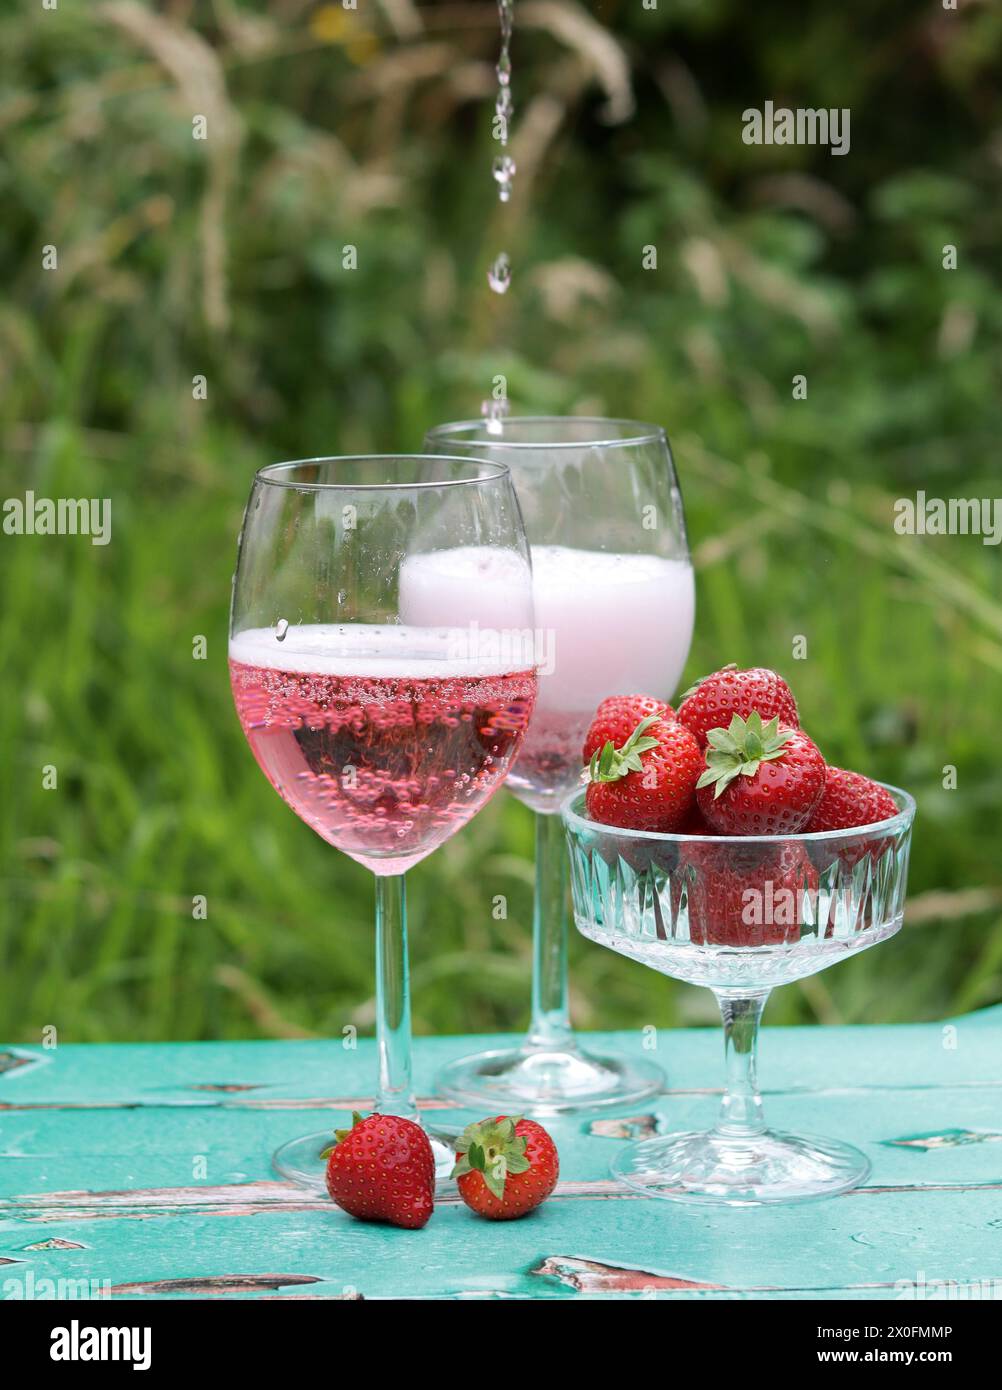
(281, 628)
(504, 172)
(499, 275)
(494, 412)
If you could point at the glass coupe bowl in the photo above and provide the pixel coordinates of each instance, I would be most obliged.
(740, 915)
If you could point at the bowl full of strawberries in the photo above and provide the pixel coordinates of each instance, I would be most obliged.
(715, 843)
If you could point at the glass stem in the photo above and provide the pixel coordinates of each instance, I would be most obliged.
(393, 999)
(551, 1023)
(741, 1109)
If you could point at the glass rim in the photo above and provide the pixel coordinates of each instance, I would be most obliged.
(902, 821)
(488, 471)
(636, 432)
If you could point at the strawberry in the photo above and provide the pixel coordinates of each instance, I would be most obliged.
(696, 824)
(747, 895)
(382, 1169)
(505, 1167)
(649, 782)
(760, 779)
(850, 799)
(616, 718)
(711, 702)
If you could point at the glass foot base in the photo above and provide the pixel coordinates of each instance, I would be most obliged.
(713, 1168)
(299, 1160)
(538, 1081)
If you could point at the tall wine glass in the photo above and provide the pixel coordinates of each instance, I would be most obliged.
(614, 600)
(384, 728)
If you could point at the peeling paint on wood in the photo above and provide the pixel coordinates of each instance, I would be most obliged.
(589, 1276)
(313, 1298)
(15, 1061)
(55, 1244)
(217, 1284)
(265, 1193)
(259, 1198)
(630, 1127)
(227, 1086)
(946, 1139)
(346, 1103)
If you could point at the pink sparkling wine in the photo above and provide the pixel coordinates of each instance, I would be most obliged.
(379, 738)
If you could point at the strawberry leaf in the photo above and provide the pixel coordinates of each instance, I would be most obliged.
(741, 749)
(494, 1177)
(611, 763)
(493, 1149)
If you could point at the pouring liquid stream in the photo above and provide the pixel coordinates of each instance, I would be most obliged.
(495, 408)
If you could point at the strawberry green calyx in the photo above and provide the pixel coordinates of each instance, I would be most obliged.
(741, 749)
(341, 1134)
(609, 764)
(493, 1149)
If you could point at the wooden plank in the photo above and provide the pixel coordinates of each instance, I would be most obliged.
(852, 1242)
(52, 1150)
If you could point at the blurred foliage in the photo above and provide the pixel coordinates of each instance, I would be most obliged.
(224, 258)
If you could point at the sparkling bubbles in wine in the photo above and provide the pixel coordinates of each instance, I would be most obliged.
(385, 739)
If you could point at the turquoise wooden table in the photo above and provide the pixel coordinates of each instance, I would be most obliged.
(144, 1170)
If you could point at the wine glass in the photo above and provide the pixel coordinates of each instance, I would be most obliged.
(373, 694)
(614, 597)
(739, 914)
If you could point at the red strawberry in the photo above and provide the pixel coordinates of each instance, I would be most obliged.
(696, 824)
(617, 717)
(505, 1167)
(711, 702)
(850, 799)
(748, 894)
(649, 782)
(382, 1169)
(760, 779)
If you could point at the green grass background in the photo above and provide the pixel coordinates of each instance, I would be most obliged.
(223, 258)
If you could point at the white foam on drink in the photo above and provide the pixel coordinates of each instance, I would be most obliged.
(606, 623)
(466, 585)
(369, 651)
(621, 623)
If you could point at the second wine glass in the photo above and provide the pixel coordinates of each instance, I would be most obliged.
(614, 599)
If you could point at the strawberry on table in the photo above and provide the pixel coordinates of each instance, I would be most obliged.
(616, 718)
(760, 779)
(850, 799)
(505, 1167)
(382, 1169)
(712, 701)
(649, 781)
